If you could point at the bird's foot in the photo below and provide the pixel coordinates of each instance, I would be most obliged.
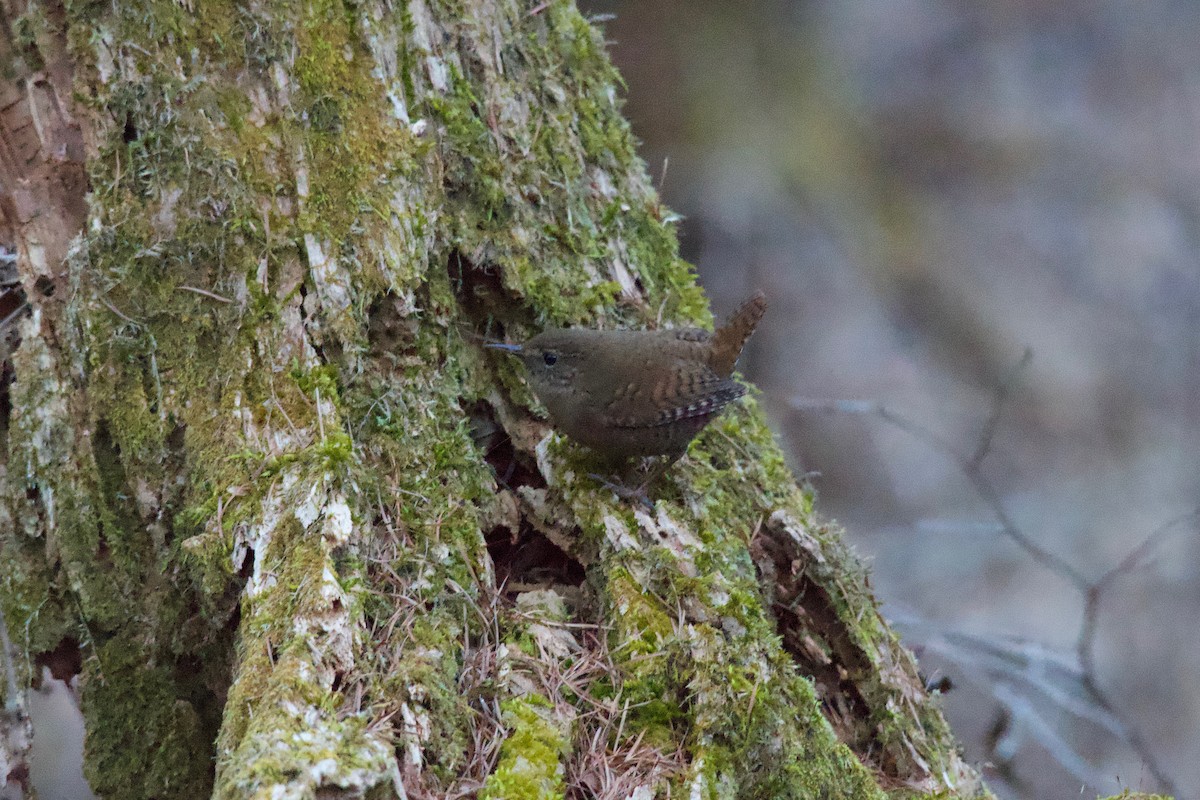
(637, 493)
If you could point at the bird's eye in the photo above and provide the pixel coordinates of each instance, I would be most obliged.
(550, 358)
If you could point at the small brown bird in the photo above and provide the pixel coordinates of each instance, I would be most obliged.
(637, 393)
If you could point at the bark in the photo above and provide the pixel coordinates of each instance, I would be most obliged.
(306, 536)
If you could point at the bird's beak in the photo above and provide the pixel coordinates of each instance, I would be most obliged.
(509, 348)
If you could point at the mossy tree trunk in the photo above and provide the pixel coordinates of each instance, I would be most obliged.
(307, 537)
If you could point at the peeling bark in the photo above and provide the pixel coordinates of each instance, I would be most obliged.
(300, 524)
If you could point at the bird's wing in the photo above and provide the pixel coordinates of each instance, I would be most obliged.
(691, 389)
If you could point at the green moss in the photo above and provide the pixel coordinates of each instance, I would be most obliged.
(461, 115)
(352, 146)
(322, 378)
(36, 612)
(530, 766)
(142, 739)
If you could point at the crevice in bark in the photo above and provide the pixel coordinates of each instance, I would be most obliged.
(129, 133)
(13, 307)
(523, 554)
(812, 633)
(527, 559)
(103, 551)
(512, 468)
(7, 375)
(480, 291)
(203, 681)
(174, 464)
(64, 661)
(391, 332)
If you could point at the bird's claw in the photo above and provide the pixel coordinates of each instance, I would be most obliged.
(624, 492)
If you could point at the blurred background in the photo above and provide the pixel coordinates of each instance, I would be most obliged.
(926, 190)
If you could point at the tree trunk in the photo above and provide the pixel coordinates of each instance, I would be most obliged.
(300, 535)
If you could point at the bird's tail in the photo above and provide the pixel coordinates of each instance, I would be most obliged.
(730, 338)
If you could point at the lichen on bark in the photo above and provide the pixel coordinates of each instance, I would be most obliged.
(301, 522)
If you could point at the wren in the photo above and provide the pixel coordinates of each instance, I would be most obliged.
(628, 394)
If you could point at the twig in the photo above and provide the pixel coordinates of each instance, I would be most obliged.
(117, 311)
(984, 445)
(206, 293)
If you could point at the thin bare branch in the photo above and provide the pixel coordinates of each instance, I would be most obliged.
(206, 293)
(984, 445)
